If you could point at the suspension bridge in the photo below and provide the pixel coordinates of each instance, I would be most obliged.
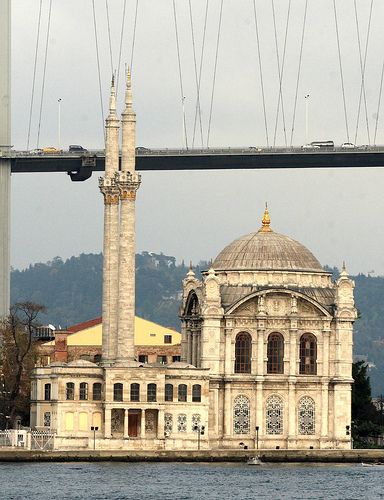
(198, 33)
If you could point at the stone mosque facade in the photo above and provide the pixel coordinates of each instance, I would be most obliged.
(266, 344)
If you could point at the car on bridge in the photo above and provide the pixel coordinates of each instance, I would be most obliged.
(50, 150)
(348, 145)
(76, 148)
(310, 146)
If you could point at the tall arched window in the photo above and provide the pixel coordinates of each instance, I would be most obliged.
(274, 415)
(306, 415)
(118, 392)
(83, 391)
(96, 391)
(308, 353)
(241, 415)
(47, 392)
(168, 392)
(151, 392)
(243, 351)
(275, 352)
(70, 391)
(196, 393)
(135, 392)
(182, 393)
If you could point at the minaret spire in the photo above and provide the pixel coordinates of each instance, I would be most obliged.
(266, 221)
(112, 100)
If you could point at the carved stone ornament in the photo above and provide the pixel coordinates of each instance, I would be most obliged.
(127, 184)
(109, 190)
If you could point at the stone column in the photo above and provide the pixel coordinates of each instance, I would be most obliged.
(107, 423)
(128, 184)
(228, 366)
(326, 335)
(194, 348)
(189, 350)
(160, 424)
(292, 427)
(227, 410)
(126, 424)
(259, 408)
(324, 410)
(142, 424)
(198, 349)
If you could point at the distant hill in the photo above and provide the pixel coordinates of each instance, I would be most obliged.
(71, 290)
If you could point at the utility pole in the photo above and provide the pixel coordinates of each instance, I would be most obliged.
(5, 145)
(306, 97)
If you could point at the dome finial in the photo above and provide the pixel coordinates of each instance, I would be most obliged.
(266, 221)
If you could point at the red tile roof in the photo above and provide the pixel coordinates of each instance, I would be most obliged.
(84, 325)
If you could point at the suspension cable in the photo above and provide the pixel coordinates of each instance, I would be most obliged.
(214, 71)
(198, 105)
(98, 68)
(134, 32)
(180, 77)
(200, 74)
(121, 46)
(109, 36)
(34, 73)
(341, 69)
(362, 69)
(299, 70)
(44, 72)
(261, 72)
(280, 70)
(378, 104)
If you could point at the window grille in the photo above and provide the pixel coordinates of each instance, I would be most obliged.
(143, 358)
(241, 415)
(308, 353)
(70, 391)
(168, 392)
(275, 352)
(47, 392)
(196, 420)
(243, 348)
(118, 392)
(306, 415)
(274, 415)
(135, 392)
(83, 391)
(47, 419)
(162, 359)
(96, 392)
(167, 339)
(168, 422)
(182, 423)
(151, 393)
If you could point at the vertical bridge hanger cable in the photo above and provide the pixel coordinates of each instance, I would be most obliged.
(98, 67)
(134, 33)
(121, 45)
(378, 104)
(362, 69)
(280, 69)
(214, 71)
(341, 69)
(44, 72)
(261, 71)
(34, 73)
(185, 138)
(109, 35)
(299, 71)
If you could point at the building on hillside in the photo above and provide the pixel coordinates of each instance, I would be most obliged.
(266, 345)
(153, 343)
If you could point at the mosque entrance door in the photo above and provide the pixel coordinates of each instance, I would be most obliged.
(133, 424)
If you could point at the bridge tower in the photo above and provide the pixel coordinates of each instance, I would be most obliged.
(5, 143)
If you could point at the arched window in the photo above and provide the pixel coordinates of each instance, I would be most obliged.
(83, 391)
(274, 415)
(96, 391)
(241, 415)
(275, 353)
(135, 392)
(151, 392)
(47, 392)
(70, 391)
(118, 392)
(196, 393)
(306, 415)
(182, 393)
(308, 353)
(243, 351)
(168, 392)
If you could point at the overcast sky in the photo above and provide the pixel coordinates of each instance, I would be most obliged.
(337, 214)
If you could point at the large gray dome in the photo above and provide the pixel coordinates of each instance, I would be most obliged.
(266, 250)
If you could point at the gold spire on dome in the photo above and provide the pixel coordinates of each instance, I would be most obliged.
(266, 221)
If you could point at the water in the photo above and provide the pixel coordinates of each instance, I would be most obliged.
(185, 481)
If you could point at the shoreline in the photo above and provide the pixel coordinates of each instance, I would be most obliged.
(222, 455)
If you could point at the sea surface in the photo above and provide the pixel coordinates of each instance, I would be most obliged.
(182, 481)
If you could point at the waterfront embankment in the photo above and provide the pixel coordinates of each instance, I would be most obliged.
(221, 455)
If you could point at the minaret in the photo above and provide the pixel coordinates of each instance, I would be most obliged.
(110, 191)
(128, 182)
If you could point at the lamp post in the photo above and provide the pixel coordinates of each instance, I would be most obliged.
(59, 123)
(257, 437)
(200, 429)
(94, 429)
(306, 97)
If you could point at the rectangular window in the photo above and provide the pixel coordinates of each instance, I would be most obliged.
(47, 392)
(96, 392)
(168, 392)
(162, 360)
(182, 393)
(83, 391)
(143, 358)
(135, 392)
(176, 358)
(70, 391)
(196, 393)
(151, 392)
(118, 392)
(167, 339)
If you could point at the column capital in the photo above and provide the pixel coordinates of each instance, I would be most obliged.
(127, 183)
(109, 190)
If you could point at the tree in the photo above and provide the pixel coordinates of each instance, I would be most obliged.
(17, 359)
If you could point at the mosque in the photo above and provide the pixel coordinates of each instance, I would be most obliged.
(266, 344)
